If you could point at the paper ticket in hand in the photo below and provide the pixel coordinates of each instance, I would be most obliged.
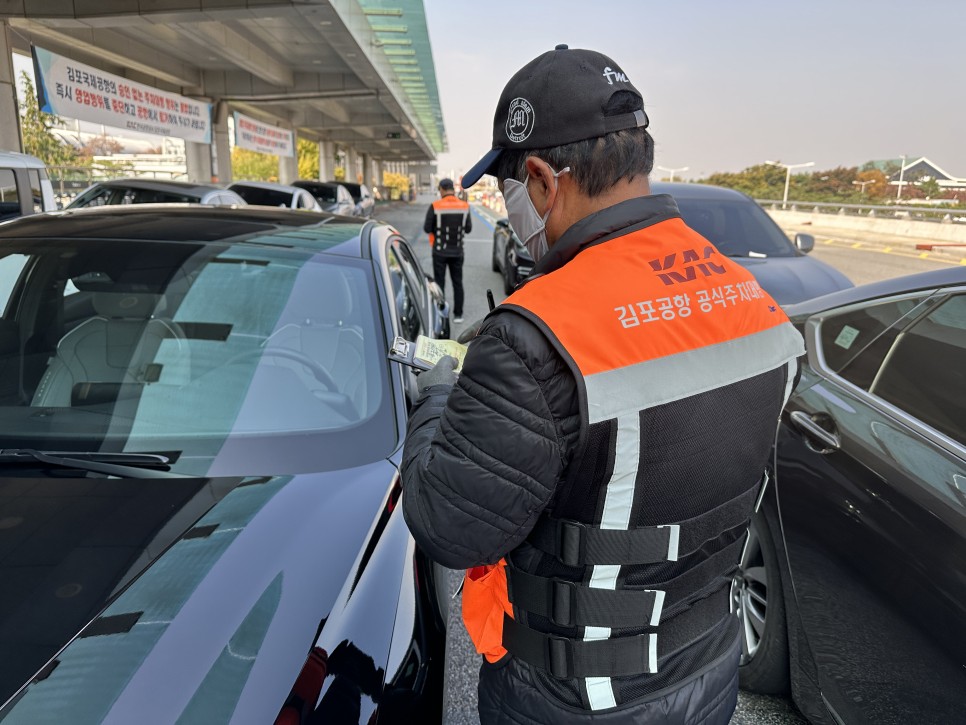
(425, 352)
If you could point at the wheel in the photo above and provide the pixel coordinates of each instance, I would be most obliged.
(316, 368)
(758, 601)
(494, 264)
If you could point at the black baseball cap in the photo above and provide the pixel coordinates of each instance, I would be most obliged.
(555, 99)
(447, 184)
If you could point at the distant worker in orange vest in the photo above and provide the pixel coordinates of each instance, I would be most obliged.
(447, 221)
(596, 463)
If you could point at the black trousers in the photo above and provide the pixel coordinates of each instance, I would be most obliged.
(455, 264)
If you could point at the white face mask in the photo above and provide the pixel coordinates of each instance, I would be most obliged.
(523, 216)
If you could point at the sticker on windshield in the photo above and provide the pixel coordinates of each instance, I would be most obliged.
(846, 337)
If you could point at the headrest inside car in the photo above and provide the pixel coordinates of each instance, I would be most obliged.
(126, 305)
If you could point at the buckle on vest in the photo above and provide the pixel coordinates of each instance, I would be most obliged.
(563, 602)
(560, 657)
(570, 542)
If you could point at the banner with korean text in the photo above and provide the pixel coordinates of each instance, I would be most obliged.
(257, 136)
(75, 90)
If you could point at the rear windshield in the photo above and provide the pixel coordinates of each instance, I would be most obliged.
(736, 228)
(263, 197)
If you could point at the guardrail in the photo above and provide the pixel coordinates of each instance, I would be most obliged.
(919, 213)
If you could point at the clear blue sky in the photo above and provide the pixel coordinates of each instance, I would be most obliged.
(730, 83)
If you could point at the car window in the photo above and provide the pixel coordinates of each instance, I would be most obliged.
(263, 197)
(855, 342)
(404, 295)
(924, 373)
(36, 193)
(736, 228)
(11, 266)
(151, 196)
(98, 196)
(9, 198)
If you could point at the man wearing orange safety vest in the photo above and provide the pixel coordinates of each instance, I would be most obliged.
(447, 220)
(595, 464)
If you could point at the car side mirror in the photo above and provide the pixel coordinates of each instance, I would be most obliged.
(503, 223)
(805, 243)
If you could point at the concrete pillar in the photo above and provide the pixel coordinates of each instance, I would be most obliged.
(198, 161)
(326, 160)
(288, 166)
(9, 115)
(380, 171)
(367, 170)
(220, 149)
(352, 165)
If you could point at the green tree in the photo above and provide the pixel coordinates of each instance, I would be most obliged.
(253, 166)
(35, 126)
(931, 188)
(308, 154)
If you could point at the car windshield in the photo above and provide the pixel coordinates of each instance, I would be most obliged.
(355, 190)
(251, 357)
(263, 197)
(736, 228)
(324, 194)
(99, 196)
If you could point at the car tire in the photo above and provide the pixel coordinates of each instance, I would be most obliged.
(758, 601)
(494, 264)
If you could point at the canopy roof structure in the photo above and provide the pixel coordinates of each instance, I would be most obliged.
(355, 72)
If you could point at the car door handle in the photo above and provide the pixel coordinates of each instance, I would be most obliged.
(808, 425)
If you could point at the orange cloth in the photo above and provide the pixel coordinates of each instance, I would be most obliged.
(485, 600)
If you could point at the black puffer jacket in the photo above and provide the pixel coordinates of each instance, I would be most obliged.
(485, 457)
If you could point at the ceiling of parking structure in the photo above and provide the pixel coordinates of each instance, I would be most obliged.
(356, 72)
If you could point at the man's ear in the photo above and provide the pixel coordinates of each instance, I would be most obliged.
(540, 184)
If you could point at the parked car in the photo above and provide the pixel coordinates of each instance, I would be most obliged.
(332, 197)
(199, 481)
(264, 193)
(510, 257)
(736, 225)
(153, 191)
(24, 186)
(362, 197)
(852, 586)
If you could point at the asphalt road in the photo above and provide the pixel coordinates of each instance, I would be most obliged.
(861, 259)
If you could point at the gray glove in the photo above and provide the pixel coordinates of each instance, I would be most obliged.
(443, 373)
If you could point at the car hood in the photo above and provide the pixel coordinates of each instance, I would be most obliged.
(197, 575)
(794, 279)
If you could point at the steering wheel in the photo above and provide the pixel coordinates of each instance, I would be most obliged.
(315, 367)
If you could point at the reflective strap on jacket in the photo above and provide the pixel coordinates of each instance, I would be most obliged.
(579, 544)
(566, 658)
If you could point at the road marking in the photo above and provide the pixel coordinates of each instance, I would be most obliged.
(849, 244)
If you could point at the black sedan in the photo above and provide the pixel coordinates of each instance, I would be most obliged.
(510, 257)
(198, 479)
(852, 588)
(738, 228)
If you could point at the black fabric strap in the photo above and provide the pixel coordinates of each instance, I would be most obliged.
(570, 604)
(566, 658)
(636, 119)
(580, 544)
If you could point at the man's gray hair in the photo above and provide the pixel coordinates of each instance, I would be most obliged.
(596, 164)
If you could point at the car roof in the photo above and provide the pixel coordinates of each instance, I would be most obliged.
(264, 185)
(195, 223)
(15, 159)
(934, 279)
(160, 185)
(697, 191)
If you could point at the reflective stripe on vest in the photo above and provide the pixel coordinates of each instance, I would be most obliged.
(648, 318)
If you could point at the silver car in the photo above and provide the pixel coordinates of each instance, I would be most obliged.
(152, 191)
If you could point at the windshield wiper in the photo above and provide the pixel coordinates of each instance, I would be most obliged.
(129, 465)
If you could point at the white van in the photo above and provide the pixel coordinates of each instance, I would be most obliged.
(24, 186)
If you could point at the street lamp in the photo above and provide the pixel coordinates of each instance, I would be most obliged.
(902, 170)
(672, 171)
(788, 175)
(862, 184)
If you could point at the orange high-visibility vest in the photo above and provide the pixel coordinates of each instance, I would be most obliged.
(651, 317)
(451, 213)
